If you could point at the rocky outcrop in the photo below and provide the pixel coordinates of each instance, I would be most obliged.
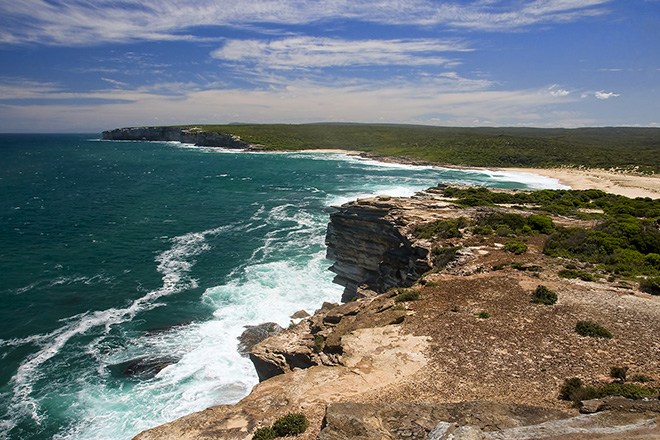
(479, 421)
(370, 247)
(319, 340)
(188, 135)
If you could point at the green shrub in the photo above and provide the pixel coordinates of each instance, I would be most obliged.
(442, 229)
(641, 378)
(570, 386)
(627, 390)
(619, 373)
(571, 274)
(482, 230)
(319, 341)
(483, 315)
(591, 329)
(574, 390)
(650, 285)
(543, 295)
(516, 247)
(444, 255)
(407, 295)
(290, 424)
(541, 223)
(265, 433)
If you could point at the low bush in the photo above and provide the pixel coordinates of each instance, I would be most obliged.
(591, 329)
(574, 390)
(442, 228)
(407, 295)
(641, 378)
(515, 246)
(444, 255)
(319, 342)
(482, 230)
(545, 296)
(290, 424)
(572, 274)
(483, 315)
(619, 373)
(265, 433)
(650, 285)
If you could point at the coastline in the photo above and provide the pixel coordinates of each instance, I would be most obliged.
(625, 184)
(620, 183)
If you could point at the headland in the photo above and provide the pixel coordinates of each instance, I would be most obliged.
(463, 320)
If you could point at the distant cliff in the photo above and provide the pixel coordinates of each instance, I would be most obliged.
(188, 135)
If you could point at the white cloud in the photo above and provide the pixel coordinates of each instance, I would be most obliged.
(115, 82)
(80, 22)
(558, 92)
(606, 95)
(424, 100)
(306, 52)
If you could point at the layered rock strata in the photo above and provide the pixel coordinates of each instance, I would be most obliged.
(187, 135)
(370, 243)
(473, 358)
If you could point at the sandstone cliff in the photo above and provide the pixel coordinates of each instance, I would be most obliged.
(474, 357)
(188, 135)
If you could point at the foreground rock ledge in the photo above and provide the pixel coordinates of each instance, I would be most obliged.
(433, 368)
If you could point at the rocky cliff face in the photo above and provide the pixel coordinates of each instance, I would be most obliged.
(188, 135)
(369, 242)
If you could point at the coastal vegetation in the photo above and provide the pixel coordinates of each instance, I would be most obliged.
(575, 390)
(545, 296)
(624, 237)
(593, 330)
(625, 148)
(286, 426)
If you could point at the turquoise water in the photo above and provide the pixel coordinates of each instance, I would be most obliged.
(113, 253)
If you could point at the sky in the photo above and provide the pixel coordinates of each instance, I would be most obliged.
(87, 66)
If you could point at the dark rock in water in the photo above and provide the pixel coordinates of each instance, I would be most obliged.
(142, 368)
(254, 334)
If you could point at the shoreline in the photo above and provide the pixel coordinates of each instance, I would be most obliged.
(620, 183)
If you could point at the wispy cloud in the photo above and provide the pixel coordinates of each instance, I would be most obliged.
(606, 95)
(432, 99)
(309, 52)
(80, 22)
(555, 90)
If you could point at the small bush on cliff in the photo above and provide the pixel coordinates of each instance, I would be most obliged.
(265, 433)
(442, 228)
(650, 285)
(291, 424)
(619, 373)
(444, 255)
(545, 296)
(407, 295)
(516, 247)
(591, 329)
(573, 389)
(319, 342)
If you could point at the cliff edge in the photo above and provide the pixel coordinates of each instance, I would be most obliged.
(443, 338)
(187, 135)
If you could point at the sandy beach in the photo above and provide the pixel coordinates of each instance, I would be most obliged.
(625, 184)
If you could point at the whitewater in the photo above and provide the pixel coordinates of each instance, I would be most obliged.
(129, 269)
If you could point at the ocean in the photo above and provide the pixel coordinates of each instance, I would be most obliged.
(129, 269)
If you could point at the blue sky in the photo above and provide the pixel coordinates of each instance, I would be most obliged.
(82, 66)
